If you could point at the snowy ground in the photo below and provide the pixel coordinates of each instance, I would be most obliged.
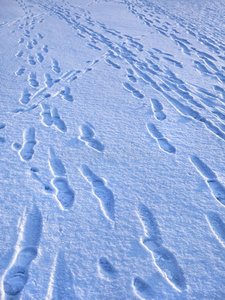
(112, 137)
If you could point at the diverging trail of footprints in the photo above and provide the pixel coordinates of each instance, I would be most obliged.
(167, 84)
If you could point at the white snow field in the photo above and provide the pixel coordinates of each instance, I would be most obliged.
(112, 137)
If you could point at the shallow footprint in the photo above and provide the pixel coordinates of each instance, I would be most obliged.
(142, 288)
(106, 268)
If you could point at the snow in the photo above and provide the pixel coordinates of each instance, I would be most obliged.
(112, 136)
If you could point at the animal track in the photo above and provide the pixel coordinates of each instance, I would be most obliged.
(151, 228)
(57, 121)
(40, 57)
(183, 47)
(176, 63)
(2, 139)
(131, 89)
(157, 109)
(55, 66)
(65, 94)
(34, 41)
(189, 112)
(64, 194)
(106, 268)
(20, 71)
(49, 118)
(46, 115)
(16, 146)
(33, 80)
(56, 166)
(31, 60)
(101, 192)
(132, 78)
(48, 80)
(21, 40)
(164, 260)
(199, 66)
(40, 35)
(130, 75)
(217, 226)
(17, 276)
(87, 135)
(142, 288)
(19, 54)
(45, 48)
(161, 140)
(25, 97)
(2, 125)
(168, 266)
(29, 45)
(93, 46)
(47, 187)
(216, 188)
(111, 63)
(29, 142)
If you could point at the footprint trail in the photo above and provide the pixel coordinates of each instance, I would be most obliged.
(164, 260)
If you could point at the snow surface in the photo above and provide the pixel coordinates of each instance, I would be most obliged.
(112, 137)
